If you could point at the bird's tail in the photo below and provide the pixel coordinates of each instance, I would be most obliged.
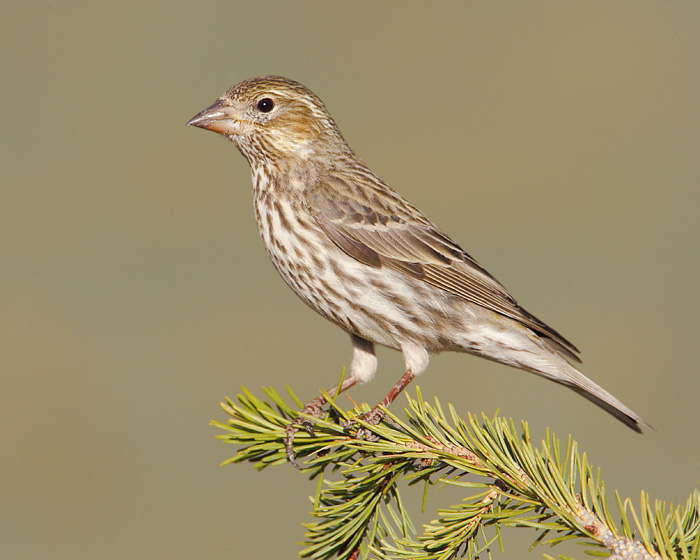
(506, 341)
(564, 373)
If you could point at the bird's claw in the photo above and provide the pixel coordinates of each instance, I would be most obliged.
(365, 434)
(373, 417)
(312, 409)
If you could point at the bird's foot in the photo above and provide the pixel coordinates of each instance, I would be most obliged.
(313, 409)
(373, 417)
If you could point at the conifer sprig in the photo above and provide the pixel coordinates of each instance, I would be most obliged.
(359, 512)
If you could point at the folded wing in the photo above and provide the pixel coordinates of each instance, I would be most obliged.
(387, 231)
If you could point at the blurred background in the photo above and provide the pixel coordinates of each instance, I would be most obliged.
(558, 143)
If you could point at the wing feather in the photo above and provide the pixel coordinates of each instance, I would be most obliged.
(380, 230)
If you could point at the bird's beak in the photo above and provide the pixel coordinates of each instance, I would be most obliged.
(217, 118)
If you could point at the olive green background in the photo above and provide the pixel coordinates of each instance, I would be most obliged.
(558, 142)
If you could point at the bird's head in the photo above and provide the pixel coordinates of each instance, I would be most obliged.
(272, 118)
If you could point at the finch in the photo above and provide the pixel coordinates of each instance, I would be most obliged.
(366, 259)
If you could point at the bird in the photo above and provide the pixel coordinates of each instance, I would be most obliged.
(366, 259)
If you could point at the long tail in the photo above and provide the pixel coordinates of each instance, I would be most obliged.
(525, 349)
(596, 394)
(507, 341)
(558, 369)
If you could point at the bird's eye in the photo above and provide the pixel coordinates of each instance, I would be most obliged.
(266, 105)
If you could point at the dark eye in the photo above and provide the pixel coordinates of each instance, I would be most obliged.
(265, 105)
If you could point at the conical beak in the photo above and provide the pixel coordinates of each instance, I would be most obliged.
(217, 118)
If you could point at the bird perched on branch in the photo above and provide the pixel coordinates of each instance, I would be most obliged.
(366, 259)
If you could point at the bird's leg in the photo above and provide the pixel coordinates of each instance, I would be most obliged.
(374, 416)
(315, 409)
(362, 369)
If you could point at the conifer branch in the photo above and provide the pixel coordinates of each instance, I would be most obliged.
(508, 482)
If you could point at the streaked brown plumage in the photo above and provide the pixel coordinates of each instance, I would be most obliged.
(363, 257)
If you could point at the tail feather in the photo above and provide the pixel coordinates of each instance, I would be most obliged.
(619, 411)
(505, 341)
(568, 375)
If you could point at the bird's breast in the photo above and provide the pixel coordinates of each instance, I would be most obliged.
(296, 245)
(379, 304)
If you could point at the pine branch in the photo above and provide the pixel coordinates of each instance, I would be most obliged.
(507, 481)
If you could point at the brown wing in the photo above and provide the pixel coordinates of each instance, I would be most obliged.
(374, 225)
